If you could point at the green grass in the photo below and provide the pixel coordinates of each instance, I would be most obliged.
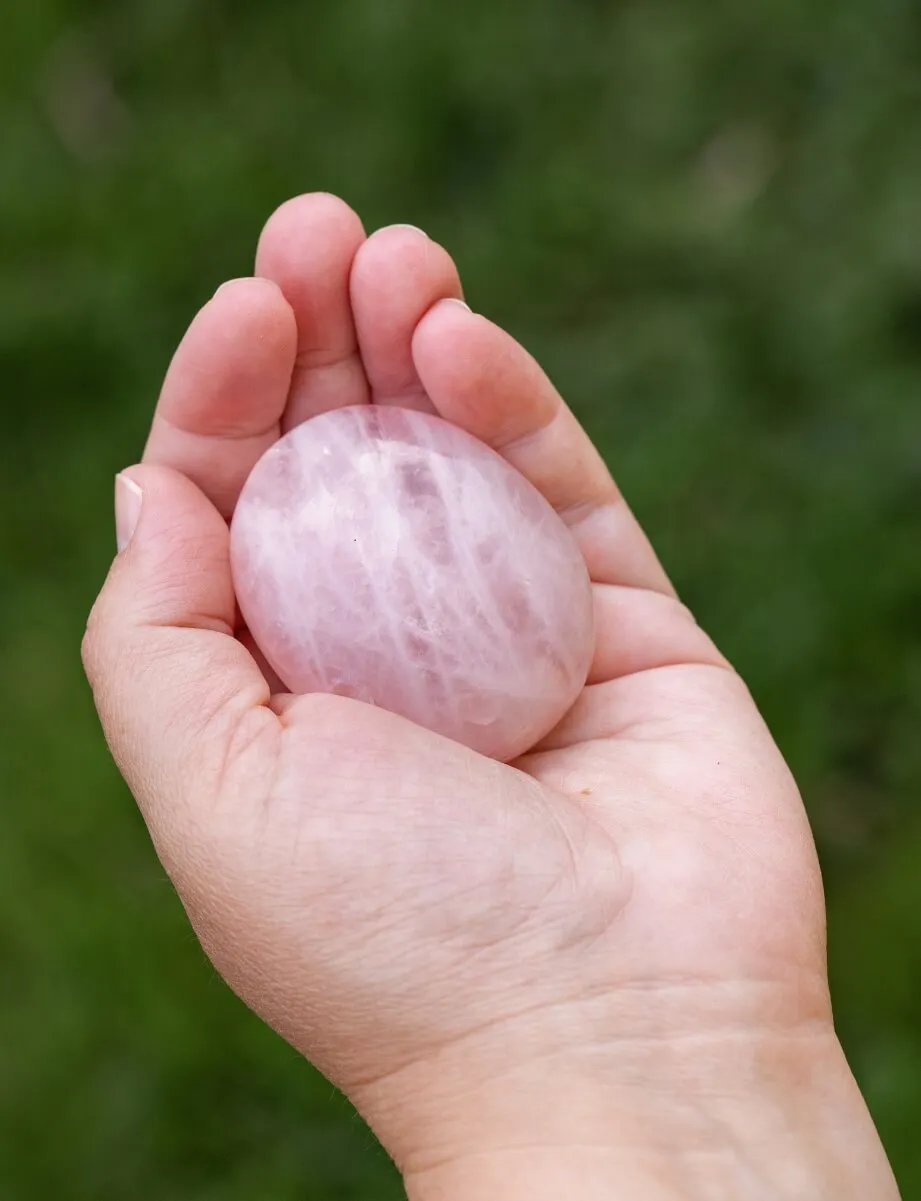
(703, 217)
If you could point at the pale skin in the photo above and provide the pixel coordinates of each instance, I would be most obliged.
(598, 972)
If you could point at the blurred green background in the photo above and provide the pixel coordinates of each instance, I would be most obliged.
(705, 219)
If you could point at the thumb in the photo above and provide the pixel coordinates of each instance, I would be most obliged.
(180, 699)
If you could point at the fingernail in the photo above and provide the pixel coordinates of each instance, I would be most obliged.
(414, 228)
(228, 282)
(462, 303)
(128, 497)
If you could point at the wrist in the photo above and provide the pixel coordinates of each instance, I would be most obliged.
(751, 1118)
(556, 1174)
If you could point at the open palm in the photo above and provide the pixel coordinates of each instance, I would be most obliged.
(398, 907)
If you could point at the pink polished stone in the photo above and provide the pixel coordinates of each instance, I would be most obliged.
(385, 555)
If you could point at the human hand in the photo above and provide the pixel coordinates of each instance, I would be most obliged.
(600, 966)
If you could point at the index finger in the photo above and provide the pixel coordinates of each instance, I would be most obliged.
(481, 379)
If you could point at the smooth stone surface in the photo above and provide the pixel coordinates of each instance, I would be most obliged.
(385, 555)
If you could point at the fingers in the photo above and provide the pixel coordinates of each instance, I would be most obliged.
(398, 275)
(226, 389)
(307, 248)
(182, 703)
(384, 300)
(478, 377)
(671, 704)
(264, 353)
(637, 630)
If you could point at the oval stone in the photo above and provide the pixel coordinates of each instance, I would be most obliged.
(386, 555)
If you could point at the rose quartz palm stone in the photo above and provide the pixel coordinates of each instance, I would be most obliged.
(386, 555)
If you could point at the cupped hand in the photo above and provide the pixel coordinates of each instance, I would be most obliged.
(614, 944)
